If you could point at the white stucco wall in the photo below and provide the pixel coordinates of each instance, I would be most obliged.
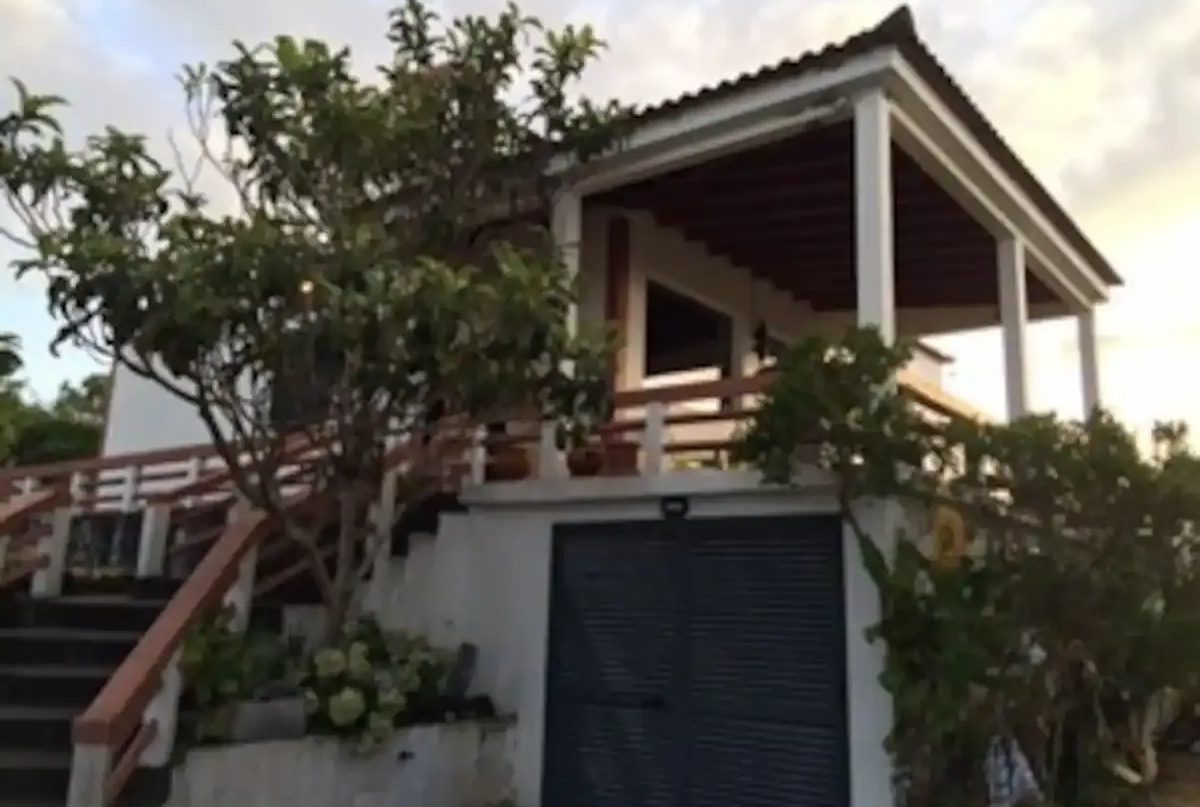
(486, 579)
(142, 416)
(453, 765)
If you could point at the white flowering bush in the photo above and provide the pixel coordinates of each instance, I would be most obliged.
(372, 681)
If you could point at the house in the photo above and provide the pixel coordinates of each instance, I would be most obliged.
(682, 635)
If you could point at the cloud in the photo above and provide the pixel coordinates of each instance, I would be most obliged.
(1100, 97)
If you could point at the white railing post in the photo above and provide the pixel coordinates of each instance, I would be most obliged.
(152, 544)
(75, 490)
(28, 485)
(195, 467)
(163, 711)
(52, 545)
(478, 456)
(90, 765)
(240, 595)
(549, 460)
(129, 491)
(654, 437)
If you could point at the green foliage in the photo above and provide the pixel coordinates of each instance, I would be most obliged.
(389, 233)
(371, 681)
(10, 355)
(833, 404)
(31, 433)
(1073, 616)
(222, 667)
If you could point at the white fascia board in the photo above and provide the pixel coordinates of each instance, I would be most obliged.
(930, 114)
(741, 120)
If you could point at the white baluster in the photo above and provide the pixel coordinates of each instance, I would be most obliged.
(195, 468)
(75, 489)
(163, 711)
(655, 437)
(240, 595)
(550, 465)
(52, 545)
(152, 544)
(478, 472)
(129, 490)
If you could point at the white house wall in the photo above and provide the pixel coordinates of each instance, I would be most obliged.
(485, 579)
(142, 416)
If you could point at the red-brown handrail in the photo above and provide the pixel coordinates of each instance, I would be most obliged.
(923, 392)
(110, 462)
(116, 711)
(17, 511)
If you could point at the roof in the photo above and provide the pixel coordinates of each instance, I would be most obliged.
(898, 30)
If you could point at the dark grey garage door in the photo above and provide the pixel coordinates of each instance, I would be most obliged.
(697, 663)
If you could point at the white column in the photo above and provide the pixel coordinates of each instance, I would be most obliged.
(875, 265)
(1089, 358)
(1014, 320)
(566, 224)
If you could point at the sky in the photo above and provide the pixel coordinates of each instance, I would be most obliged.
(1101, 98)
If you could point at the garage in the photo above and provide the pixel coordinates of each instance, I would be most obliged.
(697, 663)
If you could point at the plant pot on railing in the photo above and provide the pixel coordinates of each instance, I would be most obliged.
(585, 461)
(620, 457)
(508, 464)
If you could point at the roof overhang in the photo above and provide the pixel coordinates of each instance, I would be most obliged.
(979, 176)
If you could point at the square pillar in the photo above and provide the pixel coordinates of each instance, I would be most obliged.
(1014, 321)
(566, 225)
(875, 264)
(1089, 359)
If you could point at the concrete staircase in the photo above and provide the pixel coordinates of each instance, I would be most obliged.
(55, 655)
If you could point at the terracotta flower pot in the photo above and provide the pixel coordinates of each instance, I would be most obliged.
(509, 464)
(620, 458)
(585, 461)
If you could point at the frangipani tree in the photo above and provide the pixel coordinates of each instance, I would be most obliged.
(387, 245)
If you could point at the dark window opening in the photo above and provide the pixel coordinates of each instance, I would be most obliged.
(682, 334)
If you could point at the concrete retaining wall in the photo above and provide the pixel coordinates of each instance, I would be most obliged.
(452, 765)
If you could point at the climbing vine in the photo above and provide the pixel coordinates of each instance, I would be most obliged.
(1045, 600)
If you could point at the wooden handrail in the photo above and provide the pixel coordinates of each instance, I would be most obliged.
(699, 390)
(110, 462)
(15, 512)
(114, 713)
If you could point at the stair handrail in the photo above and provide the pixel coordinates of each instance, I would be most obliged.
(19, 529)
(135, 712)
(124, 717)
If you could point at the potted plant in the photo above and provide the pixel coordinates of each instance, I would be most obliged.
(584, 456)
(620, 456)
(581, 408)
(508, 462)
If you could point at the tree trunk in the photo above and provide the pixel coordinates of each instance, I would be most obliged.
(345, 573)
